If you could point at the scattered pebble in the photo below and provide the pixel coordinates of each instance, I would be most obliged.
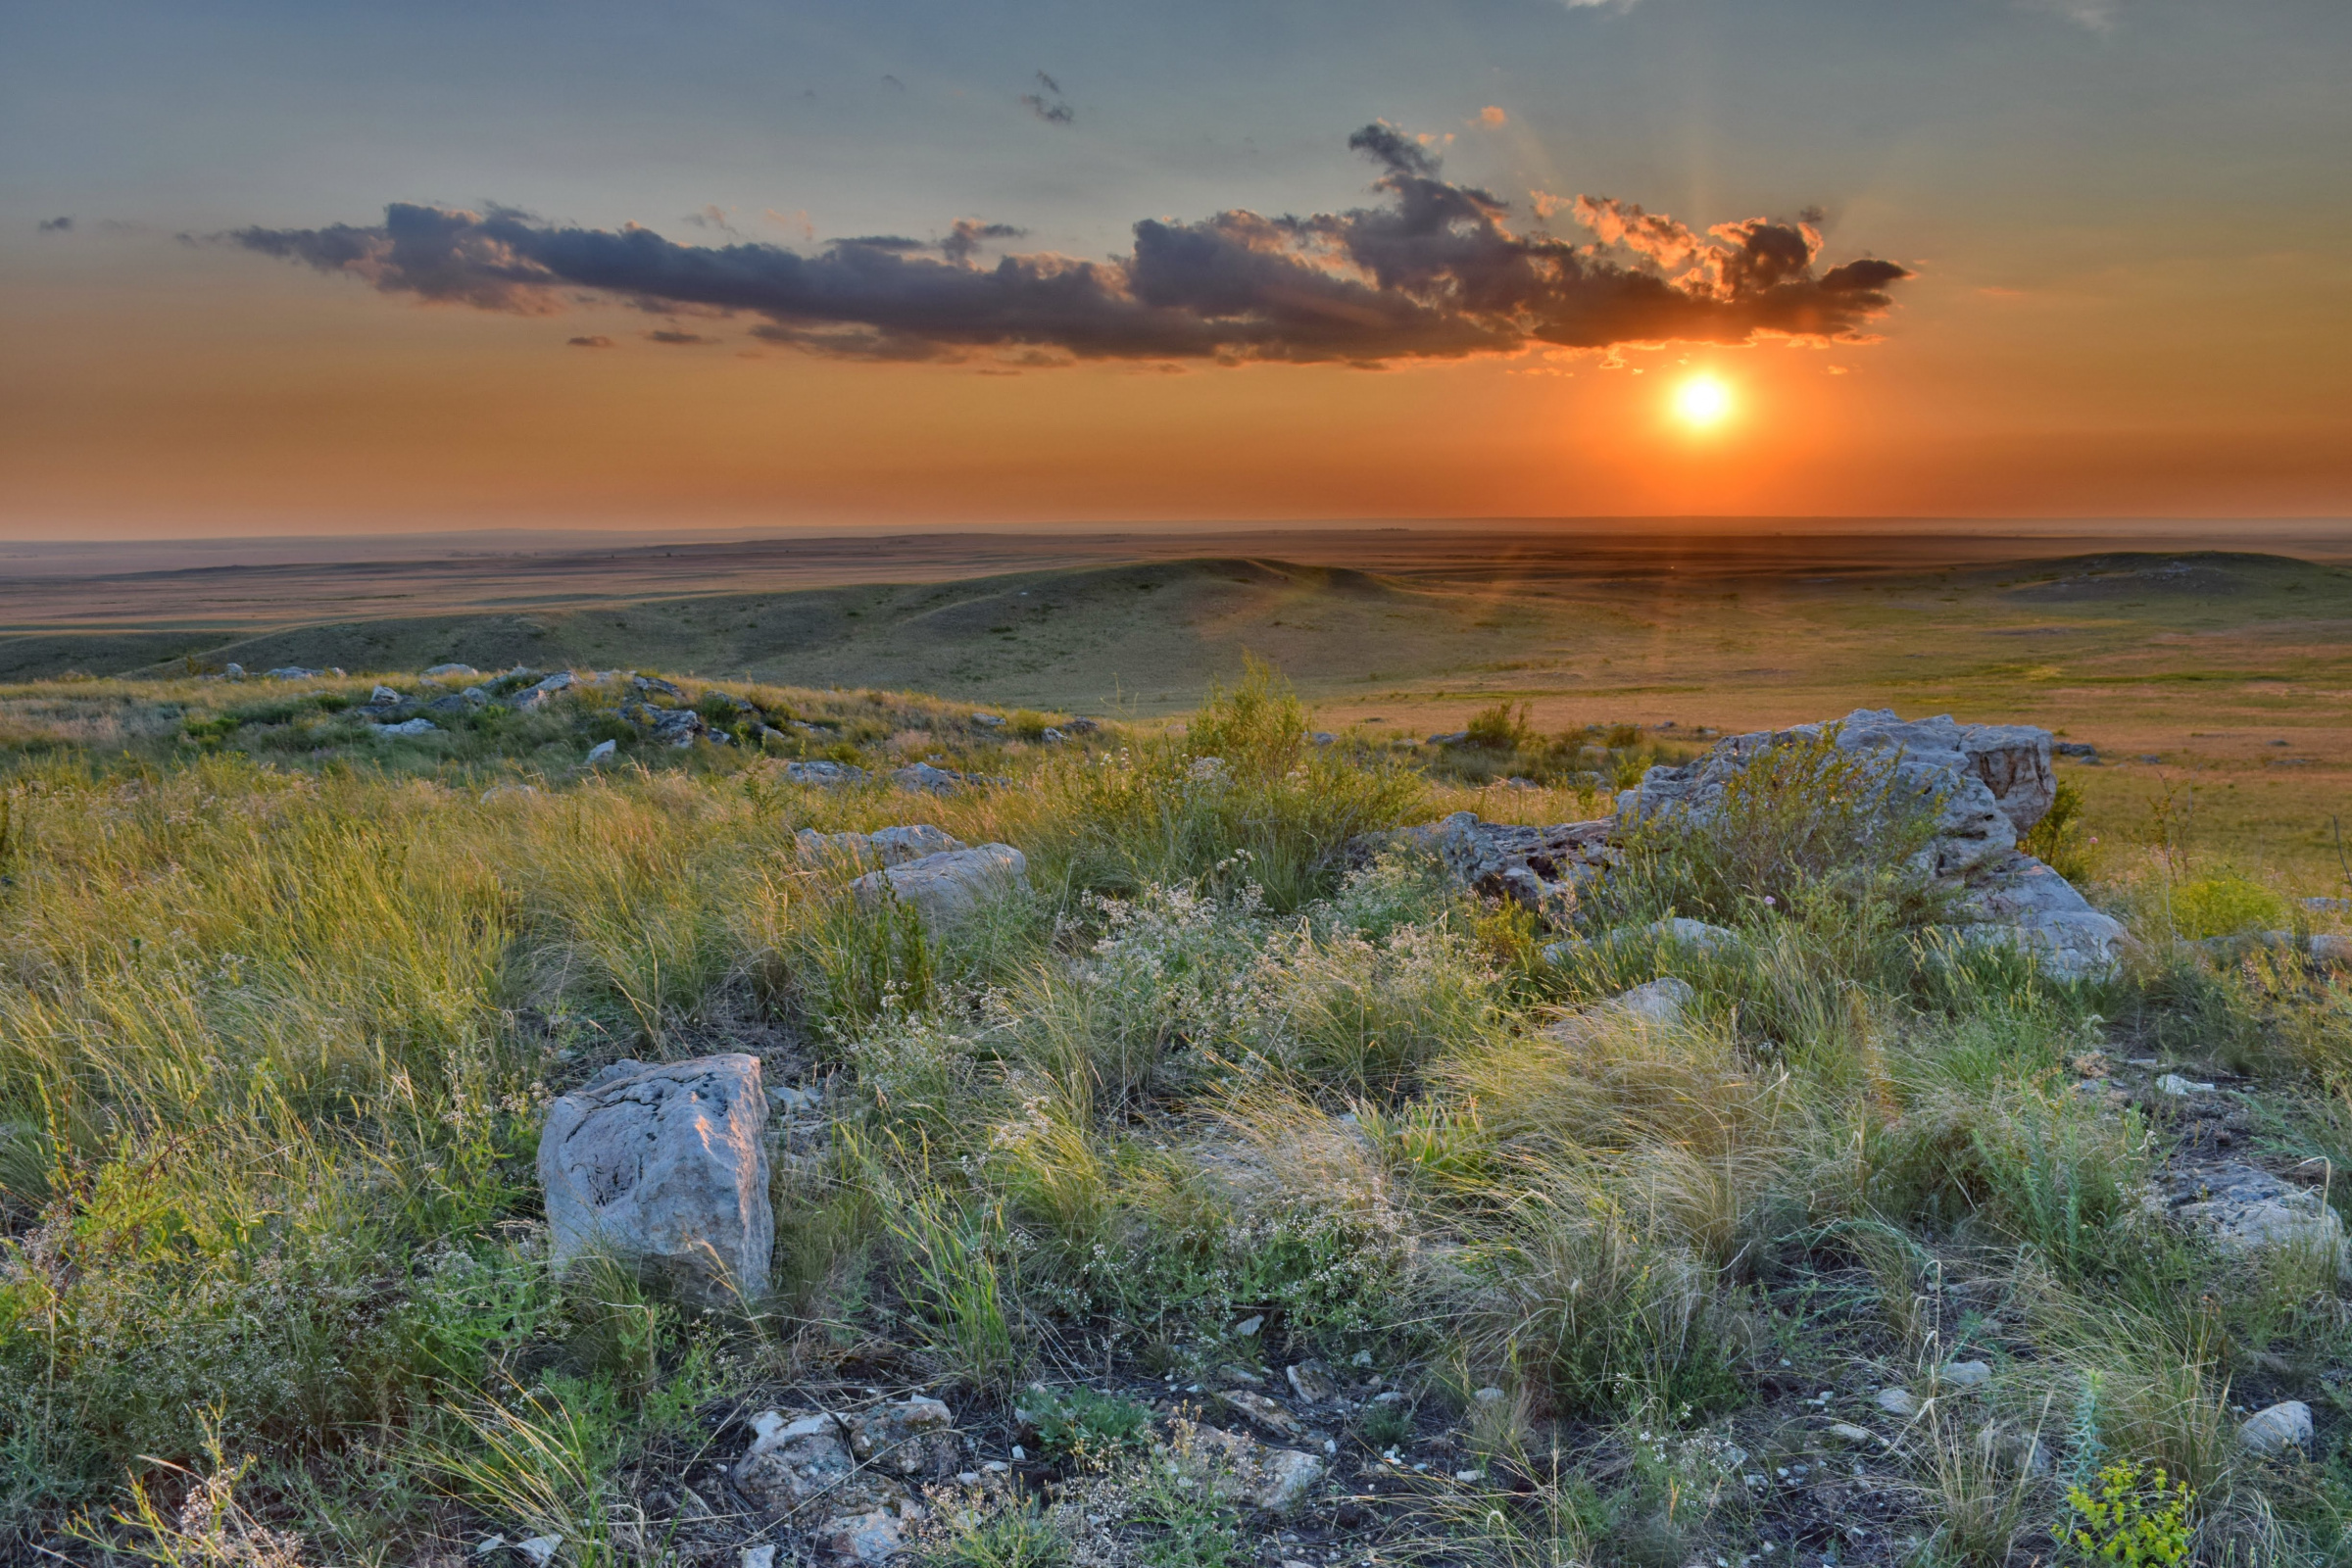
(2172, 1082)
(1897, 1402)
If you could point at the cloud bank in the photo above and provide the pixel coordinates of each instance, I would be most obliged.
(1434, 271)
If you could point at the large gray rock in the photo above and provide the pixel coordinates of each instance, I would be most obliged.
(1930, 760)
(663, 1168)
(2019, 899)
(948, 888)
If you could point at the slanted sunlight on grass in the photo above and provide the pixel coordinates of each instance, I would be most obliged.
(1240, 1096)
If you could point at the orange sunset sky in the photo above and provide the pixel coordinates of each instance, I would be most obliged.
(701, 264)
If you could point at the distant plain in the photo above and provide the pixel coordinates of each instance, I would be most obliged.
(2216, 680)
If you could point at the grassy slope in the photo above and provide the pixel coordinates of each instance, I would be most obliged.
(283, 1004)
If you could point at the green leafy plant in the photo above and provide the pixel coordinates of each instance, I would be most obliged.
(1088, 1428)
(2136, 1517)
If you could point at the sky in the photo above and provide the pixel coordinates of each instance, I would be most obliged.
(309, 267)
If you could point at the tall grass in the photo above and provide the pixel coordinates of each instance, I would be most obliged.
(274, 1047)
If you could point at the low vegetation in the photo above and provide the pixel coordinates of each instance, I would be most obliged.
(1229, 1092)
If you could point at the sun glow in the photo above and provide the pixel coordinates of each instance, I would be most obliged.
(1702, 401)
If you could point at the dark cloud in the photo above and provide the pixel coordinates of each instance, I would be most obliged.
(1436, 269)
(968, 236)
(1047, 104)
(58, 225)
(597, 341)
(671, 335)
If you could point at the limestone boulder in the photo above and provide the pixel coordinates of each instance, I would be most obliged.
(2020, 901)
(947, 888)
(662, 1166)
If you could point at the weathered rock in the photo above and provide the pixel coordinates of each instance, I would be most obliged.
(931, 780)
(876, 1536)
(664, 1167)
(2282, 1428)
(947, 888)
(2180, 1088)
(1537, 866)
(819, 771)
(1965, 1374)
(408, 726)
(451, 672)
(1263, 1413)
(989, 720)
(1276, 1480)
(1898, 1402)
(2244, 1209)
(603, 751)
(1312, 1382)
(798, 1459)
(1659, 1002)
(2019, 899)
(911, 1436)
(2014, 761)
(1934, 763)
(1847, 1432)
(1081, 725)
(453, 704)
(534, 695)
(889, 846)
(1673, 931)
(383, 697)
(649, 683)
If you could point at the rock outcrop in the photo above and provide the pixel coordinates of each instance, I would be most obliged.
(1987, 785)
(663, 1168)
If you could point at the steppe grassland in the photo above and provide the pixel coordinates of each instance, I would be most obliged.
(282, 1002)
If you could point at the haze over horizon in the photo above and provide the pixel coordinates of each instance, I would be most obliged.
(284, 268)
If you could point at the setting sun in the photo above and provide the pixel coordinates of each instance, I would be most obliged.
(1702, 401)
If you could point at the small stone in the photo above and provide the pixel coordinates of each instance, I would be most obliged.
(2172, 1082)
(1312, 1382)
(989, 720)
(481, 1548)
(602, 750)
(1966, 1374)
(1847, 1432)
(1360, 1359)
(1487, 1396)
(412, 726)
(2271, 1432)
(763, 1556)
(541, 1550)
(1897, 1403)
(1248, 1327)
(383, 697)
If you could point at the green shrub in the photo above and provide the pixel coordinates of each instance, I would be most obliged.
(1500, 729)
(2224, 903)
